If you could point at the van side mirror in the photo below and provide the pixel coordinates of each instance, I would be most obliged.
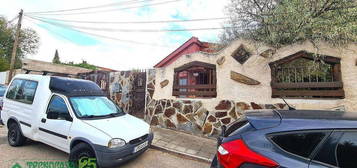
(52, 115)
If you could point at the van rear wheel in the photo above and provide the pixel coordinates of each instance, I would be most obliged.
(82, 153)
(14, 135)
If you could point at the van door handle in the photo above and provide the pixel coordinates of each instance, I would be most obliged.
(43, 120)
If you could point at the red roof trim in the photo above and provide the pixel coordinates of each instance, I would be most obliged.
(175, 54)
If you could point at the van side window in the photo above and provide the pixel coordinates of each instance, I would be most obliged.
(301, 144)
(22, 91)
(58, 105)
(347, 150)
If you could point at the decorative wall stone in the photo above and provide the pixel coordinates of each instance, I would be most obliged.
(268, 53)
(270, 106)
(223, 105)
(158, 109)
(221, 60)
(211, 119)
(169, 124)
(197, 105)
(181, 118)
(164, 83)
(226, 120)
(221, 114)
(243, 79)
(177, 105)
(169, 112)
(191, 117)
(207, 128)
(255, 106)
(232, 113)
(242, 106)
(154, 121)
(187, 109)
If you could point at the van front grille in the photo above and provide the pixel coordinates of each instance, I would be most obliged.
(137, 140)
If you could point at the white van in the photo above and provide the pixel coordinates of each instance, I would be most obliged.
(74, 116)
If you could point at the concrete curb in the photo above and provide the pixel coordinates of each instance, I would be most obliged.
(190, 156)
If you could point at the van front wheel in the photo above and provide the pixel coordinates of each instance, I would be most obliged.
(83, 154)
(14, 135)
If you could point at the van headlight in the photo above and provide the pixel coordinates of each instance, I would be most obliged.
(116, 142)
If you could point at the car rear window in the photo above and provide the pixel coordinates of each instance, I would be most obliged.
(347, 150)
(299, 143)
(22, 91)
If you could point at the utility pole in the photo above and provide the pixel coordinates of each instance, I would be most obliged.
(14, 49)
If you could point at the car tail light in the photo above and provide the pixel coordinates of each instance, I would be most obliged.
(238, 155)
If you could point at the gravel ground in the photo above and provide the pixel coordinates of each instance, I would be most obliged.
(35, 151)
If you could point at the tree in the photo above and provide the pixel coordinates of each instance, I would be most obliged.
(282, 22)
(84, 64)
(28, 44)
(56, 59)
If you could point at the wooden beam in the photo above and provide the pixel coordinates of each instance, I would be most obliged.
(298, 93)
(196, 93)
(337, 72)
(306, 55)
(195, 87)
(193, 64)
(307, 85)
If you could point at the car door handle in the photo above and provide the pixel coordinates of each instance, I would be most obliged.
(43, 120)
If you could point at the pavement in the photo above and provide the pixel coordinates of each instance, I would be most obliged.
(152, 158)
(195, 147)
(38, 152)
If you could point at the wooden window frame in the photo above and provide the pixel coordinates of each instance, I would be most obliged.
(196, 90)
(306, 90)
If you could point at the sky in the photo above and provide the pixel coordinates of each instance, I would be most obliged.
(113, 48)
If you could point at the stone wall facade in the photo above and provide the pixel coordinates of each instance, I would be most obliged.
(192, 116)
(123, 88)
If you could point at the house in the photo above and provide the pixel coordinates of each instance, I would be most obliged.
(200, 90)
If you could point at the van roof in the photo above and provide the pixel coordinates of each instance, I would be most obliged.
(74, 87)
(66, 86)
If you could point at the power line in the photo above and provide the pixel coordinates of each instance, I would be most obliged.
(128, 30)
(134, 22)
(108, 37)
(90, 7)
(54, 32)
(108, 10)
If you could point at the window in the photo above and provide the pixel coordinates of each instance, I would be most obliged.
(58, 105)
(327, 152)
(347, 150)
(2, 90)
(94, 106)
(195, 80)
(304, 75)
(22, 91)
(241, 55)
(301, 144)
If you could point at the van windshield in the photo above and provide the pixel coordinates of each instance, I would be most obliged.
(95, 106)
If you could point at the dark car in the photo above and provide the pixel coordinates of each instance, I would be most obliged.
(289, 139)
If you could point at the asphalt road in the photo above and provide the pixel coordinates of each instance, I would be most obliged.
(35, 151)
